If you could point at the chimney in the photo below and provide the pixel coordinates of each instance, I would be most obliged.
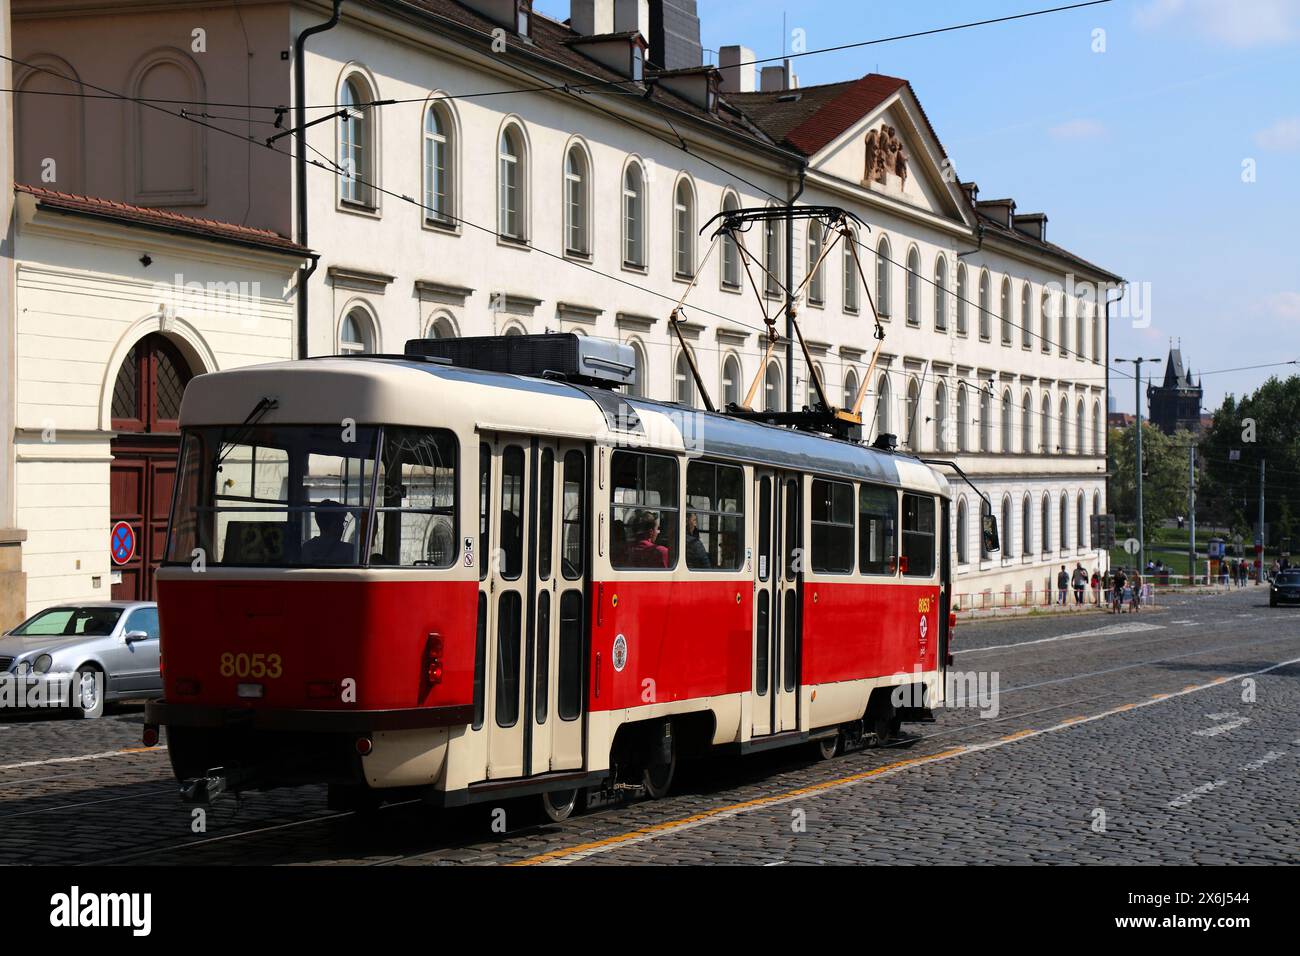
(674, 35)
(972, 191)
(739, 72)
(632, 16)
(777, 78)
(1032, 224)
(592, 17)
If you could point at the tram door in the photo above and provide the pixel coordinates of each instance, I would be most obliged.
(777, 626)
(535, 577)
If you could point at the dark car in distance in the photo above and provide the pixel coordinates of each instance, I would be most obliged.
(1285, 588)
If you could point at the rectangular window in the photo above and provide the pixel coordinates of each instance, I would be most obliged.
(918, 535)
(832, 526)
(764, 528)
(512, 512)
(643, 502)
(545, 514)
(715, 507)
(542, 663)
(877, 524)
(509, 622)
(569, 690)
(480, 660)
(574, 519)
(316, 496)
(484, 507)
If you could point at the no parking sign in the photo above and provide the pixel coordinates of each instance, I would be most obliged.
(121, 544)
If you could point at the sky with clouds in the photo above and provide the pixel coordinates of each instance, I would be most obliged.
(1170, 156)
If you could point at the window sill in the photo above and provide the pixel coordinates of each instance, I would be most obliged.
(513, 242)
(848, 311)
(635, 267)
(733, 289)
(358, 209)
(578, 256)
(446, 227)
(814, 304)
(682, 277)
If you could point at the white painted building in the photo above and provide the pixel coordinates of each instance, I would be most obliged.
(116, 308)
(528, 175)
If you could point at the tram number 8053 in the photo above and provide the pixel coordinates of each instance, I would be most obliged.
(251, 665)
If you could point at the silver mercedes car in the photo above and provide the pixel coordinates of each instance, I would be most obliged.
(82, 656)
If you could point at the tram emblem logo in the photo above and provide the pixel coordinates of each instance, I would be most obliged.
(620, 652)
(925, 627)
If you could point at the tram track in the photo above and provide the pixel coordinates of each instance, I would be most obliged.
(973, 732)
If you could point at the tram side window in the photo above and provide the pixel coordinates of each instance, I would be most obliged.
(918, 535)
(415, 510)
(832, 526)
(643, 502)
(715, 508)
(574, 528)
(877, 526)
(484, 506)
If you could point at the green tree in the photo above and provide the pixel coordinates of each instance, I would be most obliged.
(1164, 469)
(1264, 425)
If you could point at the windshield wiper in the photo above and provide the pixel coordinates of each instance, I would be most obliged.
(265, 405)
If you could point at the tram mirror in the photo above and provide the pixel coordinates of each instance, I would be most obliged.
(989, 529)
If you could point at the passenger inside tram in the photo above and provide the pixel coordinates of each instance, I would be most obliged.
(697, 555)
(644, 550)
(328, 547)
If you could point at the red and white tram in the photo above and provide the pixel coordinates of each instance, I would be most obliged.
(398, 573)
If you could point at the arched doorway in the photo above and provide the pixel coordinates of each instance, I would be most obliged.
(145, 412)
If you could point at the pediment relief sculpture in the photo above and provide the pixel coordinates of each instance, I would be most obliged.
(884, 155)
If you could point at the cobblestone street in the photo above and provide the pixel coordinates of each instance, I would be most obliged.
(1164, 737)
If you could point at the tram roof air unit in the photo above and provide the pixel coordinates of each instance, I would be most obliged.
(568, 356)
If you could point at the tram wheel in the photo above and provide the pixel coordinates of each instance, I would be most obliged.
(884, 722)
(558, 805)
(657, 777)
(828, 747)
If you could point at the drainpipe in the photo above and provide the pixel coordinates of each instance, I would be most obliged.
(300, 163)
(789, 287)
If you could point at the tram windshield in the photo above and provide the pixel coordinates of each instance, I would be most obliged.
(315, 496)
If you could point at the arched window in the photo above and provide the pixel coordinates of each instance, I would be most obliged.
(684, 230)
(1026, 318)
(1046, 518)
(512, 179)
(1079, 421)
(817, 284)
(1096, 505)
(731, 380)
(850, 274)
(1096, 338)
(914, 415)
(357, 333)
(942, 441)
(1045, 446)
(439, 173)
(1004, 308)
(812, 384)
(1027, 525)
(986, 327)
(962, 305)
(772, 255)
(52, 127)
(1063, 325)
(148, 389)
(1081, 533)
(1065, 521)
(882, 406)
(357, 143)
(731, 265)
(962, 535)
(683, 382)
(1045, 322)
(884, 293)
(441, 326)
(941, 294)
(639, 386)
(913, 303)
(986, 420)
(634, 216)
(577, 202)
(963, 417)
(772, 393)
(1027, 424)
(1080, 318)
(985, 512)
(850, 388)
(1005, 532)
(1097, 433)
(1063, 428)
(1008, 429)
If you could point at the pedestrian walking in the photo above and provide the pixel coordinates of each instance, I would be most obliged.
(1080, 581)
(1062, 585)
(1096, 588)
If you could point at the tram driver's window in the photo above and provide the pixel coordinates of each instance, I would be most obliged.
(832, 526)
(715, 506)
(877, 529)
(918, 535)
(415, 503)
(643, 506)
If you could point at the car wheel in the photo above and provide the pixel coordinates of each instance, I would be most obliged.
(88, 692)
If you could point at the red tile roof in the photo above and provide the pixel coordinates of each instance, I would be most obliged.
(162, 219)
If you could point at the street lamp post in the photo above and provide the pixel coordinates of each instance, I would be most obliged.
(1137, 396)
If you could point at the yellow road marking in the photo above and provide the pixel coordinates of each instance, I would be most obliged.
(1017, 735)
